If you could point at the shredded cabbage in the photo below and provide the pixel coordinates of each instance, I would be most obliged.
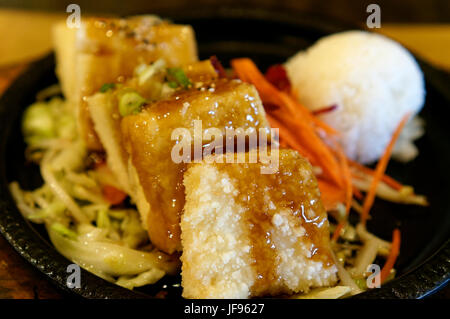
(326, 293)
(109, 258)
(146, 278)
(109, 242)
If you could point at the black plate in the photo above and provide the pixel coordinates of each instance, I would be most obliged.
(268, 38)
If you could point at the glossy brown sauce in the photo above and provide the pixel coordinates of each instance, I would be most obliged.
(147, 138)
(293, 187)
(200, 72)
(112, 48)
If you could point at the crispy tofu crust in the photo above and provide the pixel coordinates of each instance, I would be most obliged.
(247, 234)
(107, 50)
(147, 138)
(104, 112)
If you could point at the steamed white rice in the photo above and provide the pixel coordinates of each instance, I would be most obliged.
(374, 82)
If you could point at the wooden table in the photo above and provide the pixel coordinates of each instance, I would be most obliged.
(20, 280)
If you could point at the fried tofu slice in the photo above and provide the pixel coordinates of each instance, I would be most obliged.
(104, 111)
(64, 40)
(148, 140)
(107, 51)
(106, 119)
(247, 234)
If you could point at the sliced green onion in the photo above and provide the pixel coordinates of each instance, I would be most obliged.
(63, 230)
(131, 103)
(172, 84)
(106, 87)
(178, 76)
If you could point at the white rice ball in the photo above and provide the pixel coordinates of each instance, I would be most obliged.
(371, 79)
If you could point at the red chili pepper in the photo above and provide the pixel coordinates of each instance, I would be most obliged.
(276, 74)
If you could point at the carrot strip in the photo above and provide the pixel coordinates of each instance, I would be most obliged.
(247, 71)
(393, 254)
(288, 138)
(302, 111)
(314, 144)
(306, 112)
(330, 194)
(338, 230)
(301, 130)
(392, 182)
(380, 169)
(294, 117)
(386, 178)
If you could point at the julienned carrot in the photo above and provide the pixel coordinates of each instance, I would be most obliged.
(357, 193)
(338, 230)
(393, 254)
(301, 130)
(289, 138)
(300, 110)
(331, 194)
(380, 169)
(294, 117)
(311, 142)
(386, 178)
(247, 71)
(317, 122)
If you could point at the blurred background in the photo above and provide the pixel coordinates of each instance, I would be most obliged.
(422, 26)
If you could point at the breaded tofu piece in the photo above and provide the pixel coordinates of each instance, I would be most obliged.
(108, 50)
(246, 234)
(64, 39)
(105, 115)
(104, 111)
(148, 140)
